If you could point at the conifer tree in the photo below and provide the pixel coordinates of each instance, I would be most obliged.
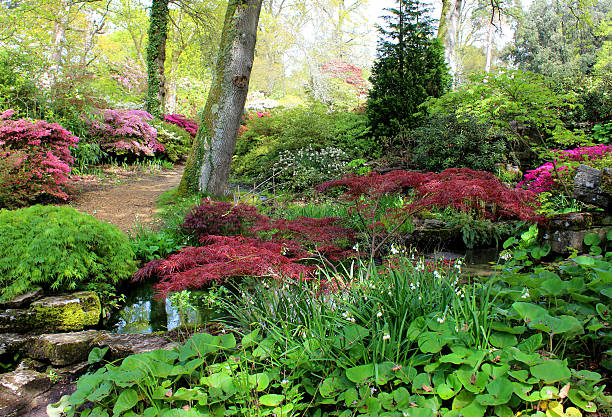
(409, 69)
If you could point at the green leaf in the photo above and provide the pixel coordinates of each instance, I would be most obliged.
(96, 354)
(502, 340)
(499, 392)
(126, 400)
(360, 374)
(552, 370)
(592, 239)
(259, 381)
(271, 400)
(432, 342)
(250, 339)
(472, 380)
(531, 344)
(576, 396)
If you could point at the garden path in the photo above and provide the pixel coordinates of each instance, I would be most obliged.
(129, 199)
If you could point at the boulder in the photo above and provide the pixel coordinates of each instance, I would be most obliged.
(593, 186)
(123, 345)
(566, 231)
(23, 300)
(71, 312)
(19, 389)
(17, 320)
(62, 349)
(11, 343)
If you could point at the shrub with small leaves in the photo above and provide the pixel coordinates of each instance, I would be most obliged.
(306, 167)
(126, 132)
(59, 249)
(174, 139)
(36, 160)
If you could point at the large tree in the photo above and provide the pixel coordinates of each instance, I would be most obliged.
(156, 57)
(409, 69)
(208, 165)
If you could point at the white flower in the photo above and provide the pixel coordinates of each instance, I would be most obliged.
(420, 298)
(437, 275)
(412, 286)
(525, 294)
(386, 336)
(356, 247)
(441, 319)
(506, 256)
(373, 390)
(379, 314)
(394, 250)
(284, 382)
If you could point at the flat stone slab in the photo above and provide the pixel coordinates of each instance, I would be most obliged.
(62, 349)
(17, 320)
(23, 300)
(18, 390)
(12, 342)
(123, 345)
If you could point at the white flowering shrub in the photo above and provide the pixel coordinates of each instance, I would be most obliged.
(301, 169)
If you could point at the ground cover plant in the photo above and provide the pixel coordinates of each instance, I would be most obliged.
(60, 249)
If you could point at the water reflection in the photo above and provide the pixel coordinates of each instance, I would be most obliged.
(142, 313)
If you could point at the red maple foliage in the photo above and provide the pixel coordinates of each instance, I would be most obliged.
(226, 257)
(463, 189)
(239, 241)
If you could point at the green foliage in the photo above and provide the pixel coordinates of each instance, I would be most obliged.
(414, 344)
(259, 147)
(176, 141)
(306, 167)
(149, 245)
(59, 249)
(514, 103)
(477, 232)
(602, 133)
(559, 39)
(409, 69)
(445, 141)
(17, 88)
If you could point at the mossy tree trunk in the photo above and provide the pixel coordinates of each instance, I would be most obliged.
(156, 58)
(207, 168)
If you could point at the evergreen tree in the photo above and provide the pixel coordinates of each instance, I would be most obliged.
(410, 68)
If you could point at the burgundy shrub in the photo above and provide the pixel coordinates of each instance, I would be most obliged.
(222, 258)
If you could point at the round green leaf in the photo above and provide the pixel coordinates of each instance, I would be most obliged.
(271, 400)
(552, 370)
(126, 400)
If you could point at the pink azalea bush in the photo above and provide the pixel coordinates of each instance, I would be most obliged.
(35, 160)
(188, 124)
(544, 178)
(126, 132)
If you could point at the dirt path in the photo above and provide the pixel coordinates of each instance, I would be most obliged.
(128, 203)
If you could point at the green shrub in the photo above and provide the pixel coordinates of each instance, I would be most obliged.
(176, 140)
(447, 142)
(264, 138)
(59, 249)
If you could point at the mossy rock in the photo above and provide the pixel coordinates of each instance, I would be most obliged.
(63, 348)
(71, 312)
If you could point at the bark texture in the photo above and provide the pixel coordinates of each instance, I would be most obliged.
(156, 57)
(207, 168)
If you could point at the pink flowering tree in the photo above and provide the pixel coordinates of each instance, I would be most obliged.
(126, 132)
(544, 177)
(35, 160)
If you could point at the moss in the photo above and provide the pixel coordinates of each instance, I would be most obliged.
(67, 313)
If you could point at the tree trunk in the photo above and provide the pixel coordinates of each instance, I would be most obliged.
(489, 56)
(156, 57)
(208, 165)
(448, 31)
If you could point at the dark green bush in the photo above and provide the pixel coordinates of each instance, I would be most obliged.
(59, 249)
(265, 138)
(446, 142)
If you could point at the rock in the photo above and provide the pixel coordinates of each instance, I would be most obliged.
(71, 312)
(123, 345)
(566, 231)
(23, 300)
(19, 389)
(17, 320)
(11, 342)
(63, 348)
(593, 186)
